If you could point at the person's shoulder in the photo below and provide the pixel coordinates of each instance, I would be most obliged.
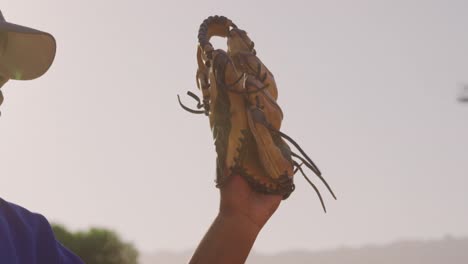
(27, 237)
(21, 216)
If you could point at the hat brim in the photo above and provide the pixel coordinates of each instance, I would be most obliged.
(28, 52)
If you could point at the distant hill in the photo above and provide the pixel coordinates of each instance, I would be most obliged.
(446, 251)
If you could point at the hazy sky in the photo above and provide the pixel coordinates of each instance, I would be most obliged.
(368, 89)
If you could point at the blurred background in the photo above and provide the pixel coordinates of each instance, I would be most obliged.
(372, 90)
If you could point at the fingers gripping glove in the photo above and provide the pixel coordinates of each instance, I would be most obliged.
(239, 95)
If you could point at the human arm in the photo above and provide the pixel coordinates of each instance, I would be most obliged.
(242, 214)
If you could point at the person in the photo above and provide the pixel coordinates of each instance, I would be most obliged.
(27, 237)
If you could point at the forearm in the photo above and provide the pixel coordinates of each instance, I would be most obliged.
(228, 241)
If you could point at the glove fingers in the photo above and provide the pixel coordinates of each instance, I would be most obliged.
(252, 65)
(264, 101)
(274, 162)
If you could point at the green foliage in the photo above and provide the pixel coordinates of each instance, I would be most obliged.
(97, 246)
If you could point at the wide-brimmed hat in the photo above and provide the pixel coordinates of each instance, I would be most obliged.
(25, 53)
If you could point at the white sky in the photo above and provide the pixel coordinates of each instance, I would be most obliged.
(368, 89)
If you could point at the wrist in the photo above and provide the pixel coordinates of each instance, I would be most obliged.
(228, 241)
(239, 221)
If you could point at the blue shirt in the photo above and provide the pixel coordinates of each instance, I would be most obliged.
(27, 238)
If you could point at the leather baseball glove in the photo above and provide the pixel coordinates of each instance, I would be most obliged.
(239, 96)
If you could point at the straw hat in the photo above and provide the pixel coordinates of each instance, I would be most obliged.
(25, 53)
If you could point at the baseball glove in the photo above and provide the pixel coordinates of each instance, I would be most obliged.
(239, 95)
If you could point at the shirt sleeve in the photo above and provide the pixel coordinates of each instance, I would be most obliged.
(28, 238)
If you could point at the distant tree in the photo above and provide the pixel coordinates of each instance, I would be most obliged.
(97, 246)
